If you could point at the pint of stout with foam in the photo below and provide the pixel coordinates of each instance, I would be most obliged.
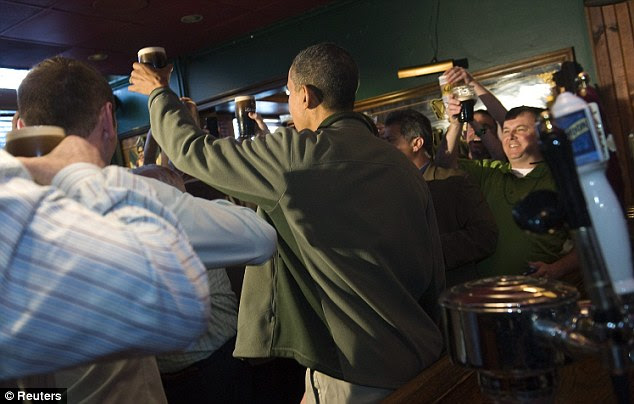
(154, 56)
(33, 141)
(467, 97)
(246, 125)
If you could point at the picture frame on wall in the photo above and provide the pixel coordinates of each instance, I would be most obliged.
(523, 82)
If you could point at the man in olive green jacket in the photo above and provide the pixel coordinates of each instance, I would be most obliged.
(358, 243)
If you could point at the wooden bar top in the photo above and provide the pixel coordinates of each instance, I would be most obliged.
(583, 381)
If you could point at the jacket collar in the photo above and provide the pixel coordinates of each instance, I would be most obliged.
(339, 116)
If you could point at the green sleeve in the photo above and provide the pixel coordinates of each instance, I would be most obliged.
(477, 236)
(251, 171)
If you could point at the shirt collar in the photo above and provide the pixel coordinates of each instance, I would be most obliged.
(424, 167)
(338, 116)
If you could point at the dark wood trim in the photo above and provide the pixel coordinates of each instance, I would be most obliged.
(558, 56)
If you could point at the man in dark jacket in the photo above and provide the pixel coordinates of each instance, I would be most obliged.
(468, 232)
(358, 243)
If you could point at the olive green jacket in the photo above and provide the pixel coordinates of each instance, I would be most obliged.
(358, 244)
(468, 232)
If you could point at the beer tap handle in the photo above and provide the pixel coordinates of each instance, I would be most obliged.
(557, 151)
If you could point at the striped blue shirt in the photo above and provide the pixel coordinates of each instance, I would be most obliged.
(90, 267)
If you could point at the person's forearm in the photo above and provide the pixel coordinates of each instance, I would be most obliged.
(221, 233)
(490, 142)
(494, 147)
(558, 269)
(121, 199)
(447, 153)
(251, 171)
(169, 124)
(150, 150)
(494, 106)
(568, 263)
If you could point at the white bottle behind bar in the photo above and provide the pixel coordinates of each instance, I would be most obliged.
(574, 116)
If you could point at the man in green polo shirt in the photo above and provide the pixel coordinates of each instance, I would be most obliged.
(504, 184)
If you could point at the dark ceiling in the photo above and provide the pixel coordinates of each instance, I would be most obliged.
(32, 30)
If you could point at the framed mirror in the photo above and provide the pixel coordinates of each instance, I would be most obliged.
(523, 82)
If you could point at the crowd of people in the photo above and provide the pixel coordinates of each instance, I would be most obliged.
(116, 284)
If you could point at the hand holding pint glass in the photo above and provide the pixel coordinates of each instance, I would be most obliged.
(33, 141)
(246, 125)
(151, 71)
(467, 97)
(154, 56)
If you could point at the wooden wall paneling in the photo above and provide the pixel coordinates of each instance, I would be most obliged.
(611, 33)
(602, 61)
(625, 21)
(601, 52)
(630, 5)
(616, 42)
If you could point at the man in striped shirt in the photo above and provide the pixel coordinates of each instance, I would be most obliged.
(221, 234)
(91, 265)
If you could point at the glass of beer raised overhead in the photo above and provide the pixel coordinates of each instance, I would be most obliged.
(467, 97)
(246, 125)
(154, 56)
(33, 141)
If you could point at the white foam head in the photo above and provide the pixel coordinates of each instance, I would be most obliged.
(150, 49)
(464, 92)
(244, 98)
(38, 130)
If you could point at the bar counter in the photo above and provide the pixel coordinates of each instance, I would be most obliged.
(582, 381)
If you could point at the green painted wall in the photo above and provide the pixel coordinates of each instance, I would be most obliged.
(132, 113)
(384, 35)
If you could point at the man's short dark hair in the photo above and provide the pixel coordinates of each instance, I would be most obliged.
(331, 72)
(517, 111)
(63, 92)
(413, 124)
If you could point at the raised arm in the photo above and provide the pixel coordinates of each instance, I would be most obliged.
(151, 149)
(494, 106)
(262, 128)
(447, 153)
(490, 140)
(222, 234)
(257, 173)
(92, 267)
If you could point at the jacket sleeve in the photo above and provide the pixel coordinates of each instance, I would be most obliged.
(477, 237)
(93, 267)
(222, 234)
(252, 171)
